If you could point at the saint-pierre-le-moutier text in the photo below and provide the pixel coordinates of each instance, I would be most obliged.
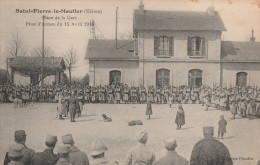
(57, 11)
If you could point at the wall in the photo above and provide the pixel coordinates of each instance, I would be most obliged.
(99, 71)
(146, 43)
(179, 72)
(231, 69)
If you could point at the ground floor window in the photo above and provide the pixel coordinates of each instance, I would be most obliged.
(241, 79)
(114, 77)
(195, 77)
(162, 77)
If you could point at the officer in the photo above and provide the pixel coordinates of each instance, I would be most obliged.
(20, 138)
(15, 154)
(140, 154)
(63, 154)
(47, 157)
(210, 151)
(172, 157)
(76, 157)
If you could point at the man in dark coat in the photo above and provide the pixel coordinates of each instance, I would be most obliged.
(180, 117)
(210, 151)
(73, 103)
(20, 138)
(47, 157)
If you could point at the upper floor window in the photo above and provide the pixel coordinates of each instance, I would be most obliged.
(163, 46)
(196, 46)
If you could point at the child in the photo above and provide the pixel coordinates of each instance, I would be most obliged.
(222, 126)
(149, 110)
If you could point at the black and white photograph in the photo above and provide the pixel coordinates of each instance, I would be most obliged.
(130, 82)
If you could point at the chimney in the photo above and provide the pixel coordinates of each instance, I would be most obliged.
(252, 38)
(211, 10)
(141, 7)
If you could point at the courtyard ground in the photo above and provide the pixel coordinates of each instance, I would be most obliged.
(242, 137)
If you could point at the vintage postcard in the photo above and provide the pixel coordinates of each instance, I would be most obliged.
(138, 82)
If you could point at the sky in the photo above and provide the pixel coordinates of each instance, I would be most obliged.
(238, 16)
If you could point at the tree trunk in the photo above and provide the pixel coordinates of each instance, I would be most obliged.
(70, 75)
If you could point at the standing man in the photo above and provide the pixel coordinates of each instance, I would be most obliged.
(47, 157)
(209, 151)
(140, 154)
(172, 157)
(76, 157)
(20, 138)
(73, 103)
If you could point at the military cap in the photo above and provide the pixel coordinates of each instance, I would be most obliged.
(170, 143)
(15, 150)
(63, 149)
(51, 139)
(97, 148)
(67, 139)
(18, 135)
(208, 131)
(142, 138)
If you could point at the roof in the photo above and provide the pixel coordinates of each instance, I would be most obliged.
(106, 49)
(236, 51)
(177, 20)
(36, 62)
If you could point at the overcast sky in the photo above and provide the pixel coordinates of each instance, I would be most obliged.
(239, 17)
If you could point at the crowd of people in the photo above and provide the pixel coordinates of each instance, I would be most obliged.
(244, 101)
(207, 151)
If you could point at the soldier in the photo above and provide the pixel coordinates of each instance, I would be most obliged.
(87, 94)
(47, 157)
(143, 94)
(20, 138)
(165, 94)
(151, 93)
(140, 154)
(98, 150)
(210, 151)
(117, 94)
(158, 95)
(63, 154)
(73, 103)
(126, 94)
(81, 103)
(15, 154)
(222, 126)
(172, 157)
(76, 157)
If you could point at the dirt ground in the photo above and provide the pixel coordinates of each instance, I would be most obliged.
(242, 137)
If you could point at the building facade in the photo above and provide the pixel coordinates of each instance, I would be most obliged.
(175, 48)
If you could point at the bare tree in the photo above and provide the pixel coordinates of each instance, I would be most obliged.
(71, 59)
(37, 52)
(16, 45)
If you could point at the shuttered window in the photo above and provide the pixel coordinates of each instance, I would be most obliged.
(163, 46)
(197, 46)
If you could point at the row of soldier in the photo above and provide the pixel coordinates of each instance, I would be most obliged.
(207, 151)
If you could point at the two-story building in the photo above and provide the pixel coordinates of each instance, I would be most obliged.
(175, 48)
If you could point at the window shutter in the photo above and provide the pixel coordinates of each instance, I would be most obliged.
(171, 46)
(189, 47)
(156, 45)
(204, 47)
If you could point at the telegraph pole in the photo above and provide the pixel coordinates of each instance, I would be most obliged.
(116, 25)
(43, 50)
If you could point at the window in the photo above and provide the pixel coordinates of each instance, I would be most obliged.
(163, 46)
(241, 79)
(114, 77)
(195, 77)
(162, 77)
(196, 46)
